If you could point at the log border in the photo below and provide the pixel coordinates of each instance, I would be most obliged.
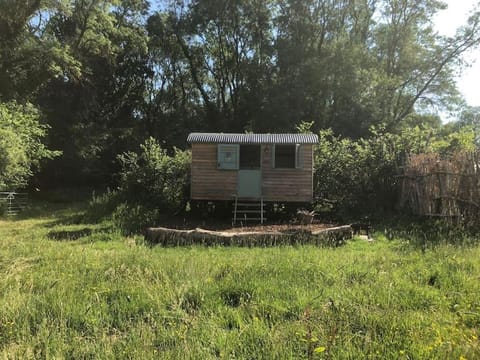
(329, 237)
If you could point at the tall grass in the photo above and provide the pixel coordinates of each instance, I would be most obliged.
(82, 291)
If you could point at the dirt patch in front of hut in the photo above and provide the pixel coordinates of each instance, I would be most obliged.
(214, 224)
(278, 228)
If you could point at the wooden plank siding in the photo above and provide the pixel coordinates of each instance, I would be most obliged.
(289, 185)
(208, 182)
(286, 185)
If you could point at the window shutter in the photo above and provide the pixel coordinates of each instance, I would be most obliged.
(227, 156)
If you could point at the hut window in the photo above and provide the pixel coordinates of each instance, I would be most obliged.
(250, 156)
(287, 156)
(227, 156)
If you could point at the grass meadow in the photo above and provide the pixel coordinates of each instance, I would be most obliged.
(71, 290)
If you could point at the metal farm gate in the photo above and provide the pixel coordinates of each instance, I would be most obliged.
(11, 202)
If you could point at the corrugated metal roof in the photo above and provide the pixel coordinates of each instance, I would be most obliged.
(219, 138)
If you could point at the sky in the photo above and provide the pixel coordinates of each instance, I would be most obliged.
(446, 22)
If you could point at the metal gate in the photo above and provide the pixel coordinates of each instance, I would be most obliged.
(11, 202)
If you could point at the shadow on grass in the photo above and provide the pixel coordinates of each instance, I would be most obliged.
(68, 219)
(91, 235)
(69, 235)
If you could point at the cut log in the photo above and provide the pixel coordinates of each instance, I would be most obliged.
(335, 236)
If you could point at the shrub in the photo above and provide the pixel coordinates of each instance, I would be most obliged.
(151, 183)
(134, 218)
(155, 179)
(102, 206)
(353, 177)
(336, 173)
(359, 177)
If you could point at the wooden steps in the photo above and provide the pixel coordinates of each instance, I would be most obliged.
(248, 210)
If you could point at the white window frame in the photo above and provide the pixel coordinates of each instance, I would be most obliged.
(298, 156)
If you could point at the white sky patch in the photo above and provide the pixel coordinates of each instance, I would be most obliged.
(446, 22)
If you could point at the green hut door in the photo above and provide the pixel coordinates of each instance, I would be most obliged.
(249, 182)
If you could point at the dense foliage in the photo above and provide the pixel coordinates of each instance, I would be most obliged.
(362, 176)
(152, 184)
(108, 74)
(21, 147)
(154, 178)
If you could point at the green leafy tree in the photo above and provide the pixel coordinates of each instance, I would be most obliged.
(470, 117)
(106, 75)
(94, 112)
(21, 147)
